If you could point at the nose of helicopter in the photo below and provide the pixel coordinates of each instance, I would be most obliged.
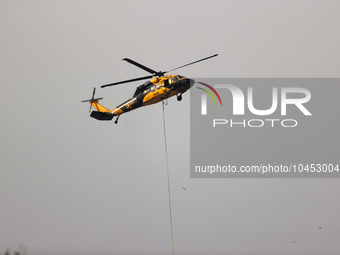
(192, 82)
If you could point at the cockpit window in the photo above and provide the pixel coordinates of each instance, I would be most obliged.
(175, 78)
(180, 76)
(148, 83)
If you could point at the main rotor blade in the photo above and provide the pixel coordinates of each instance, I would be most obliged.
(193, 63)
(121, 82)
(140, 66)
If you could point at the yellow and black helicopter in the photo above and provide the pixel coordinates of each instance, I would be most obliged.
(157, 89)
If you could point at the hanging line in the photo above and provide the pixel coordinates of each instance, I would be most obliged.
(167, 170)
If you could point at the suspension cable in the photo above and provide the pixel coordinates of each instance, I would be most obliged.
(167, 169)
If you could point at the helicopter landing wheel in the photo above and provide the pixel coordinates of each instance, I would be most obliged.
(179, 97)
(116, 121)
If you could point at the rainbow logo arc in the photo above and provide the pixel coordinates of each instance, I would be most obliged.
(209, 93)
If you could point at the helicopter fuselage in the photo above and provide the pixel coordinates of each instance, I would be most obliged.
(151, 92)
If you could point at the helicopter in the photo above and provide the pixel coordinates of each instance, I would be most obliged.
(158, 88)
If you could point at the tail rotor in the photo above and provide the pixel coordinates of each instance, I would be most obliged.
(92, 100)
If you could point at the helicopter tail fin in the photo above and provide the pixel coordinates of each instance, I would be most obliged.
(102, 112)
(98, 106)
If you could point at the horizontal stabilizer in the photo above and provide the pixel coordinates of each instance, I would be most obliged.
(102, 115)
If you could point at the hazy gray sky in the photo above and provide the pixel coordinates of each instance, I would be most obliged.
(70, 184)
